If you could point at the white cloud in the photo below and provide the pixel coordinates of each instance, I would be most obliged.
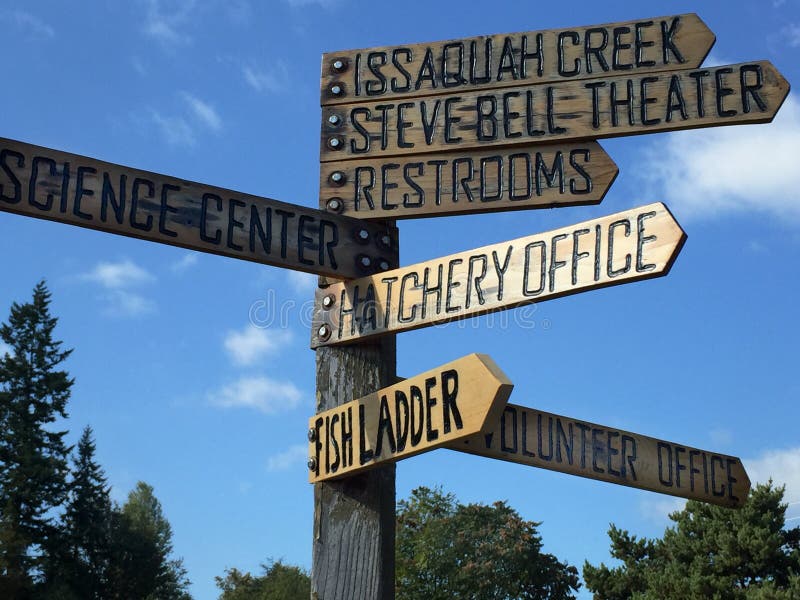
(792, 34)
(176, 131)
(203, 112)
(709, 172)
(5, 349)
(185, 262)
(259, 393)
(783, 467)
(658, 508)
(294, 455)
(119, 303)
(275, 79)
(164, 23)
(248, 346)
(28, 23)
(118, 275)
(302, 283)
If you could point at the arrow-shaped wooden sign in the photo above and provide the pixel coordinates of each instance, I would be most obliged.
(432, 185)
(636, 244)
(49, 184)
(433, 409)
(572, 110)
(539, 439)
(394, 73)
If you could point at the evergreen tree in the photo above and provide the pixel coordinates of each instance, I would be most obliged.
(33, 457)
(710, 552)
(87, 524)
(450, 550)
(141, 562)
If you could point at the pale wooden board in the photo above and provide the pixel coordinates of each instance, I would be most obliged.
(539, 439)
(430, 410)
(508, 274)
(646, 45)
(563, 111)
(70, 189)
(543, 176)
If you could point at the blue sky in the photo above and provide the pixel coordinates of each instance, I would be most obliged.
(194, 370)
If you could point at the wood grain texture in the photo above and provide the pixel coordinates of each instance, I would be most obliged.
(440, 406)
(431, 185)
(354, 519)
(502, 60)
(636, 244)
(68, 188)
(563, 111)
(548, 441)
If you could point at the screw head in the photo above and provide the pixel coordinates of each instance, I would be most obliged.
(334, 119)
(339, 65)
(328, 301)
(312, 464)
(334, 205)
(324, 332)
(385, 240)
(363, 235)
(335, 143)
(383, 265)
(365, 261)
(312, 435)
(337, 178)
(337, 89)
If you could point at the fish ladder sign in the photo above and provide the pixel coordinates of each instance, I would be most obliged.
(433, 409)
(539, 439)
(57, 186)
(393, 73)
(636, 244)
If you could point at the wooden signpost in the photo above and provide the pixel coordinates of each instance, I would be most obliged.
(49, 184)
(433, 185)
(627, 104)
(539, 439)
(441, 406)
(393, 73)
(635, 244)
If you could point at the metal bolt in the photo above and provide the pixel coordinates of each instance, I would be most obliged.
(384, 265)
(323, 333)
(363, 235)
(334, 205)
(338, 178)
(328, 301)
(312, 464)
(385, 240)
(339, 65)
(334, 120)
(312, 435)
(365, 261)
(335, 143)
(337, 89)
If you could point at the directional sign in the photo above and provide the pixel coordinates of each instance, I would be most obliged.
(433, 185)
(540, 439)
(441, 406)
(48, 184)
(636, 244)
(596, 108)
(395, 72)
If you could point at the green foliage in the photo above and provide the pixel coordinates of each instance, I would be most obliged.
(141, 564)
(277, 582)
(33, 457)
(450, 550)
(710, 552)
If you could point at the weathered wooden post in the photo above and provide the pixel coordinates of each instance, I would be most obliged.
(354, 519)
